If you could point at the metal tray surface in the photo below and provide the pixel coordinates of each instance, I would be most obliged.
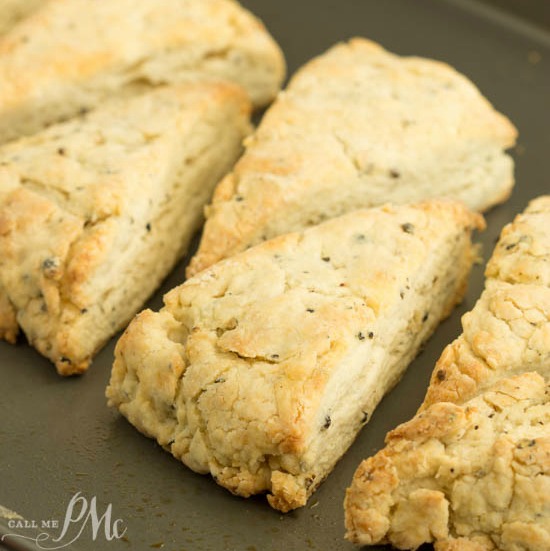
(58, 438)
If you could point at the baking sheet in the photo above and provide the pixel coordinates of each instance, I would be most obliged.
(58, 438)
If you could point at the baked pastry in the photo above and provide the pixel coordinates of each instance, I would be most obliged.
(263, 369)
(471, 471)
(12, 11)
(473, 476)
(508, 330)
(359, 127)
(94, 212)
(72, 55)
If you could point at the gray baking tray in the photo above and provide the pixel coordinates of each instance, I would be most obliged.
(57, 437)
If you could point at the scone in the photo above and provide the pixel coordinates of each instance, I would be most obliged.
(94, 212)
(12, 11)
(508, 330)
(473, 476)
(74, 54)
(262, 370)
(471, 471)
(359, 127)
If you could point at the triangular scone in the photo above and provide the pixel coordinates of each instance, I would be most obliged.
(263, 369)
(12, 11)
(469, 477)
(94, 212)
(472, 470)
(359, 127)
(72, 55)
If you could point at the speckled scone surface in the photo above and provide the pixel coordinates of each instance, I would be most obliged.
(72, 55)
(262, 369)
(357, 127)
(471, 471)
(508, 331)
(474, 476)
(12, 11)
(95, 212)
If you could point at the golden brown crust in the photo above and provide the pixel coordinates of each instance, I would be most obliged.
(117, 196)
(357, 127)
(508, 331)
(522, 254)
(9, 329)
(262, 369)
(73, 55)
(471, 471)
(470, 476)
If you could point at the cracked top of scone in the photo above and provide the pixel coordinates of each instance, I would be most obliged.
(471, 471)
(508, 330)
(238, 374)
(73, 55)
(358, 127)
(80, 200)
(472, 477)
(522, 254)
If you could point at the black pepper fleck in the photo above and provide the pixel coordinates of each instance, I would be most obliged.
(425, 317)
(49, 264)
(440, 375)
(61, 151)
(371, 335)
(310, 310)
(325, 258)
(395, 173)
(361, 336)
(407, 227)
(148, 226)
(328, 422)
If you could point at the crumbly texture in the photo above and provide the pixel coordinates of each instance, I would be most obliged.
(508, 330)
(474, 476)
(359, 127)
(12, 11)
(263, 369)
(471, 471)
(116, 196)
(72, 55)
